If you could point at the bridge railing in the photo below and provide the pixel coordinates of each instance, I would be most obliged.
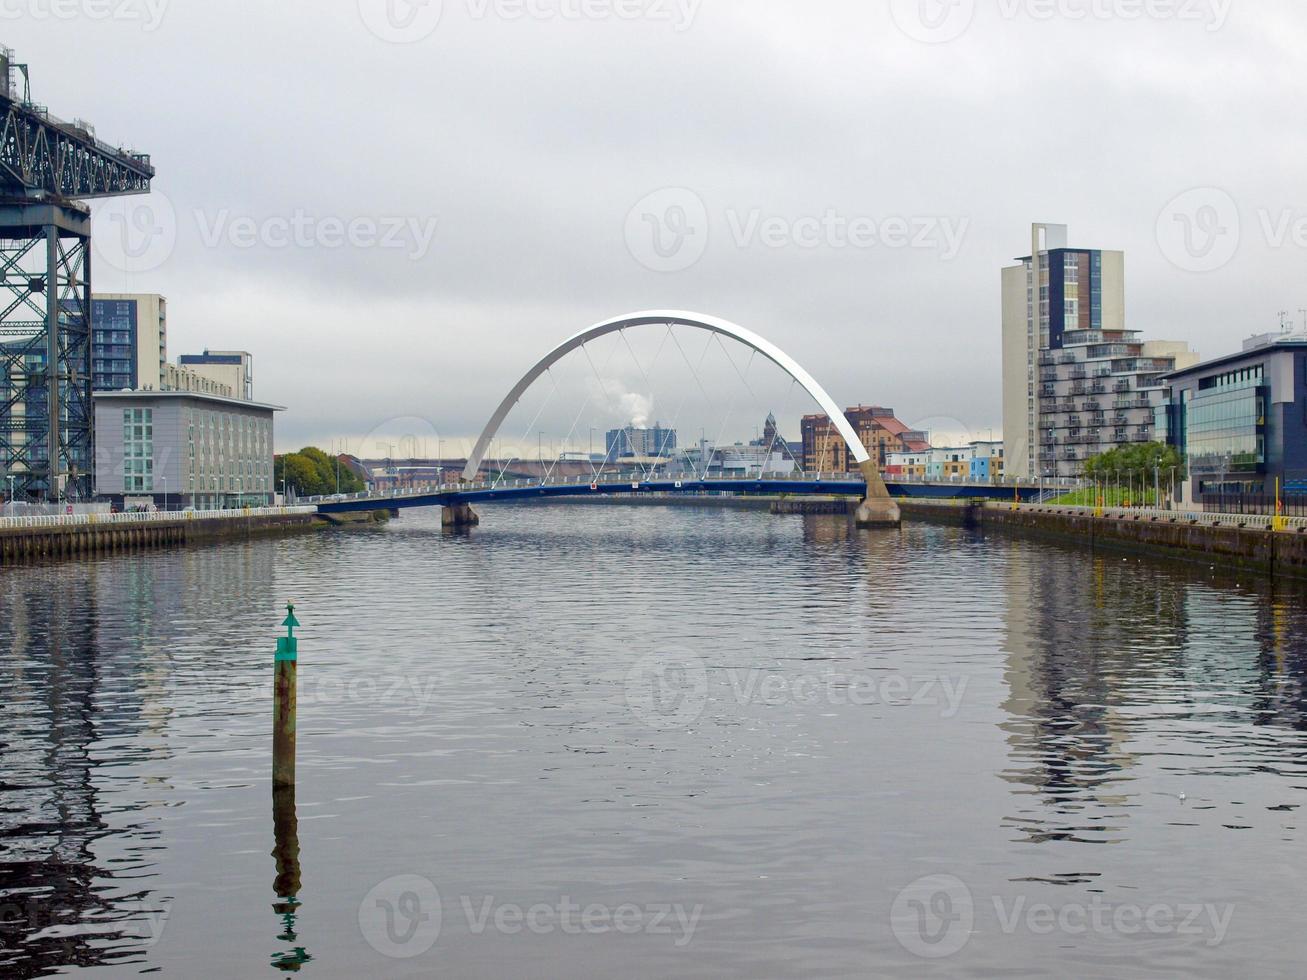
(434, 490)
(148, 517)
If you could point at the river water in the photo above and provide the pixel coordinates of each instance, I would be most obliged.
(590, 741)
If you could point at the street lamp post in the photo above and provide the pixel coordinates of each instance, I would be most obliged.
(165, 495)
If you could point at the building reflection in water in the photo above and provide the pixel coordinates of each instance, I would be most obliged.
(62, 903)
(88, 689)
(1103, 653)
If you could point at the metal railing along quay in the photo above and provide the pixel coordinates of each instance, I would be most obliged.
(148, 517)
(1263, 522)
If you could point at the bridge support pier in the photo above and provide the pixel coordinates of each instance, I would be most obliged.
(877, 509)
(458, 515)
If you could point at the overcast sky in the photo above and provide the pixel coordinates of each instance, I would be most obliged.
(844, 178)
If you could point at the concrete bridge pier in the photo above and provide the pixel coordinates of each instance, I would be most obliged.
(877, 509)
(458, 515)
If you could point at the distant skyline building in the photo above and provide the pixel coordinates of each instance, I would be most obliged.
(1076, 381)
(234, 368)
(878, 429)
(640, 441)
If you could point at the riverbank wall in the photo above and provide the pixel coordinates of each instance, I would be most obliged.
(1224, 540)
(36, 539)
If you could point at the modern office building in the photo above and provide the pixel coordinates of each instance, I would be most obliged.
(1241, 419)
(1076, 381)
(640, 441)
(878, 430)
(183, 449)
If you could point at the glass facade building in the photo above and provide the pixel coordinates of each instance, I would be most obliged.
(1241, 420)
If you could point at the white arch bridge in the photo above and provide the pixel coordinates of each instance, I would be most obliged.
(877, 508)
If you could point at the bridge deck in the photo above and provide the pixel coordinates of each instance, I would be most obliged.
(525, 490)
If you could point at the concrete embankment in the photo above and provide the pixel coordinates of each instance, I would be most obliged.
(774, 504)
(1185, 536)
(36, 541)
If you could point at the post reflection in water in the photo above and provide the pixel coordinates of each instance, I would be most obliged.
(286, 885)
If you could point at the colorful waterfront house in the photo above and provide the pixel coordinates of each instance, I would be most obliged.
(949, 463)
(986, 461)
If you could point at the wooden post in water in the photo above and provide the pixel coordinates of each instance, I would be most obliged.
(283, 706)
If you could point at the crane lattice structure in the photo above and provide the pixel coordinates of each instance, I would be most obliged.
(47, 167)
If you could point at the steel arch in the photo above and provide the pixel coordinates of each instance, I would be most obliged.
(670, 317)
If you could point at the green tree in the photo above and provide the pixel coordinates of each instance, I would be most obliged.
(311, 472)
(1138, 464)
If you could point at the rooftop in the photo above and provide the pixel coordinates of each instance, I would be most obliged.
(1252, 347)
(150, 394)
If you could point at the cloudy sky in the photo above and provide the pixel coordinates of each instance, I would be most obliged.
(397, 207)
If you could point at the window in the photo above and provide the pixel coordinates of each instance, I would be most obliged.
(138, 450)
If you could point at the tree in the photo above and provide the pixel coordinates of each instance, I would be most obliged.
(1139, 461)
(311, 472)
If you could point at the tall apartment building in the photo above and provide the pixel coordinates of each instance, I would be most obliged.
(129, 340)
(1076, 381)
(638, 440)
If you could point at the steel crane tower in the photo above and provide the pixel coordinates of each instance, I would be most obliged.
(47, 167)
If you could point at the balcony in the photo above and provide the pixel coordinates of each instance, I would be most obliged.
(1091, 406)
(1098, 388)
(1121, 386)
